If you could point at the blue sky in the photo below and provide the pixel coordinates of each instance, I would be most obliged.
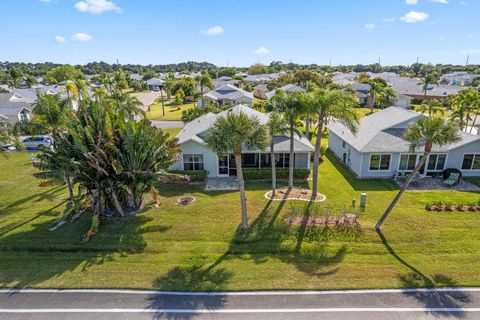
(241, 32)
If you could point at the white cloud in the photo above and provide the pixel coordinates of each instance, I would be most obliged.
(411, 2)
(440, 1)
(370, 26)
(214, 31)
(414, 16)
(60, 39)
(261, 50)
(97, 6)
(83, 37)
(389, 19)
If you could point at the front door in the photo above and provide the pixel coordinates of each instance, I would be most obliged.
(223, 166)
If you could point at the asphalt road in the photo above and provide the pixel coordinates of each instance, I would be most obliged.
(462, 303)
(164, 124)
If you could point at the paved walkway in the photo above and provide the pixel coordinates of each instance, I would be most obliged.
(428, 184)
(444, 303)
(221, 183)
(168, 124)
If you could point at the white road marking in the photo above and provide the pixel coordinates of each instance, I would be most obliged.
(244, 293)
(207, 311)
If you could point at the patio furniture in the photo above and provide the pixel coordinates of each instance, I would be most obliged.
(453, 179)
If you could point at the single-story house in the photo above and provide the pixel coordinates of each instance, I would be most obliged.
(222, 81)
(195, 155)
(154, 84)
(287, 88)
(15, 108)
(379, 151)
(228, 95)
(260, 91)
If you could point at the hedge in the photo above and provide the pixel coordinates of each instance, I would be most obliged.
(266, 174)
(195, 175)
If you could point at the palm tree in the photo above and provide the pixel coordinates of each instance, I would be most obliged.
(428, 131)
(278, 98)
(295, 105)
(331, 104)
(99, 93)
(387, 96)
(205, 81)
(227, 135)
(168, 85)
(374, 91)
(276, 126)
(431, 107)
(428, 79)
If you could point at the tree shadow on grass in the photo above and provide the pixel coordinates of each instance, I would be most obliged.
(31, 256)
(429, 298)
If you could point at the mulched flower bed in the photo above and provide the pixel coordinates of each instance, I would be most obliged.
(283, 194)
(448, 207)
(325, 221)
(186, 200)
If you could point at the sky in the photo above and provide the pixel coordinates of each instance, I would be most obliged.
(241, 32)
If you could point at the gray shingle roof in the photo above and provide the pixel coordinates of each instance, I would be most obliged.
(197, 129)
(228, 91)
(381, 132)
(287, 88)
(154, 82)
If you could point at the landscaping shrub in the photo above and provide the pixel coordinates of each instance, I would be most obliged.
(453, 207)
(195, 175)
(266, 174)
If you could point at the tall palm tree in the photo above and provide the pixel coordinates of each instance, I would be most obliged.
(227, 135)
(99, 93)
(205, 81)
(374, 91)
(387, 96)
(276, 126)
(428, 79)
(294, 104)
(428, 131)
(168, 85)
(331, 104)
(431, 107)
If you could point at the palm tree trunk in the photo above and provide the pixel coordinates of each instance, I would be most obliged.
(274, 169)
(474, 122)
(402, 190)
(201, 92)
(291, 160)
(67, 180)
(241, 186)
(307, 127)
(316, 158)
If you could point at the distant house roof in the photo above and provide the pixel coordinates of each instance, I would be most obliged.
(383, 131)
(261, 87)
(287, 88)
(229, 92)
(136, 76)
(197, 129)
(411, 87)
(154, 82)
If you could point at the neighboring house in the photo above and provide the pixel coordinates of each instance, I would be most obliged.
(260, 91)
(135, 76)
(195, 155)
(287, 88)
(228, 95)
(146, 98)
(15, 108)
(459, 78)
(362, 93)
(154, 84)
(413, 88)
(378, 150)
(222, 81)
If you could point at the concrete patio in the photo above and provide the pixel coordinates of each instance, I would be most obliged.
(428, 184)
(221, 183)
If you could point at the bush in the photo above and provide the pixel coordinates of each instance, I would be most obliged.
(195, 175)
(266, 174)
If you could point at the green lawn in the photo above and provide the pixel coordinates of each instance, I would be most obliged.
(172, 111)
(198, 247)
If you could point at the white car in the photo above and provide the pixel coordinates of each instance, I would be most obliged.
(38, 142)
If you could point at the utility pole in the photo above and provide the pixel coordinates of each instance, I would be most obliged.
(330, 62)
(417, 60)
(468, 57)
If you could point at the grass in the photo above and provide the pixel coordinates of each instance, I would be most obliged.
(172, 111)
(199, 248)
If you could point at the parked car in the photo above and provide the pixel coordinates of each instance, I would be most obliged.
(38, 142)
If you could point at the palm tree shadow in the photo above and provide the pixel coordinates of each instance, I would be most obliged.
(430, 299)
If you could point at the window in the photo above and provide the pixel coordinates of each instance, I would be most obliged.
(436, 162)
(471, 162)
(380, 162)
(282, 160)
(407, 162)
(193, 162)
